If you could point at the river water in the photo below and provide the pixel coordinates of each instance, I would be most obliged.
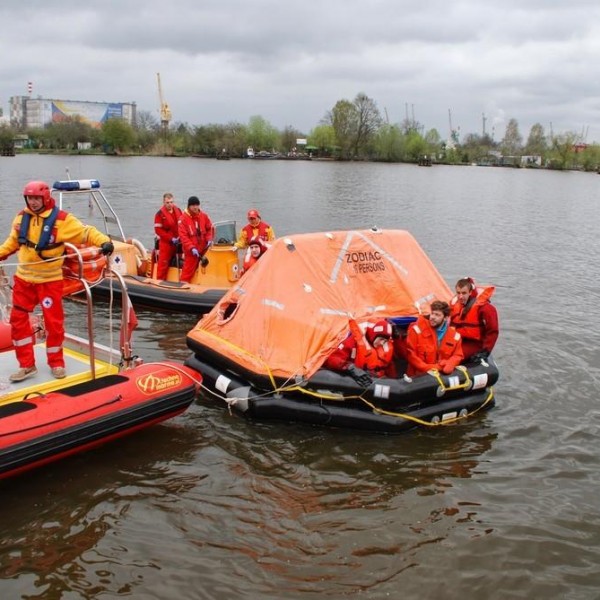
(209, 505)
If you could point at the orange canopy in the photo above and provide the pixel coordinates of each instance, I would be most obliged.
(287, 314)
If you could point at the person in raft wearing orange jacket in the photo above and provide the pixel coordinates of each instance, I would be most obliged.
(196, 235)
(367, 355)
(432, 343)
(256, 248)
(39, 233)
(255, 228)
(475, 318)
(166, 228)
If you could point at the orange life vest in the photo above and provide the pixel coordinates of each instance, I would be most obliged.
(375, 360)
(468, 323)
(423, 347)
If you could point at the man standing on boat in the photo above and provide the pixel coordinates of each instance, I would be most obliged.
(255, 228)
(166, 227)
(432, 343)
(196, 235)
(475, 317)
(39, 233)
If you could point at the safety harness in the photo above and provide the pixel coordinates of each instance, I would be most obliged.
(47, 227)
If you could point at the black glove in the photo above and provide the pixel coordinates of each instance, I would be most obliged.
(361, 377)
(204, 261)
(107, 248)
(479, 356)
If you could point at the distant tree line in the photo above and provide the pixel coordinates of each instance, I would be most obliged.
(351, 130)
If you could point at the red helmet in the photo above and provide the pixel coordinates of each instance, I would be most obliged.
(253, 214)
(380, 329)
(39, 188)
(257, 241)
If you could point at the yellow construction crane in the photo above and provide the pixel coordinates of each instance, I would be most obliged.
(165, 111)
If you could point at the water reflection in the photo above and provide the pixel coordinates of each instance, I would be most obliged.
(74, 537)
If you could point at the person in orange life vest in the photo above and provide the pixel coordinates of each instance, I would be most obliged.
(256, 248)
(196, 234)
(432, 343)
(365, 355)
(475, 318)
(39, 233)
(255, 228)
(167, 230)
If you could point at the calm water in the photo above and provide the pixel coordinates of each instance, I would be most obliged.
(209, 505)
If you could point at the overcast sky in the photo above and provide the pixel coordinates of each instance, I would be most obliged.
(290, 62)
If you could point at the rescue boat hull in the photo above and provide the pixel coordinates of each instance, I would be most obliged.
(45, 427)
(168, 296)
(335, 400)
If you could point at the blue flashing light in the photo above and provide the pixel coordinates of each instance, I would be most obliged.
(74, 185)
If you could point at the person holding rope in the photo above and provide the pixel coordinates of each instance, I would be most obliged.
(39, 233)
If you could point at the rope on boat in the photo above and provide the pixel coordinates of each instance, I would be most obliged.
(448, 421)
(294, 387)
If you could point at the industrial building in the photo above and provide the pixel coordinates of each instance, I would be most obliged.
(31, 113)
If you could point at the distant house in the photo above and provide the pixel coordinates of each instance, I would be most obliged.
(532, 160)
(21, 140)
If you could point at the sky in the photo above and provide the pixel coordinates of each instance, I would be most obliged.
(472, 64)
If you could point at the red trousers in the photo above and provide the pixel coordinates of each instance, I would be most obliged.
(166, 251)
(190, 264)
(26, 296)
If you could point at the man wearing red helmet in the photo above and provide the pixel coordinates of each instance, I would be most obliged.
(432, 343)
(255, 228)
(39, 233)
(363, 355)
(256, 248)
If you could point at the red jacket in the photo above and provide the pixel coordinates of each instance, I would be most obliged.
(262, 230)
(424, 352)
(356, 349)
(166, 224)
(477, 321)
(195, 231)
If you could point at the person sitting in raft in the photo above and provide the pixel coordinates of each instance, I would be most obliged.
(432, 343)
(363, 356)
(255, 228)
(475, 317)
(256, 248)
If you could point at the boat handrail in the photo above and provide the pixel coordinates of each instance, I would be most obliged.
(126, 354)
(90, 189)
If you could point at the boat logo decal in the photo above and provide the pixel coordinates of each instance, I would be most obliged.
(152, 383)
(365, 262)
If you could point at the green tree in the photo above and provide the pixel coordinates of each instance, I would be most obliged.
(7, 136)
(390, 143)
(512, 141)
(536, 141)
(343, 118)
(562, 150)
(261, 135)
(322, 137)
(288, 138)
(368, 123)
(117, 135)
